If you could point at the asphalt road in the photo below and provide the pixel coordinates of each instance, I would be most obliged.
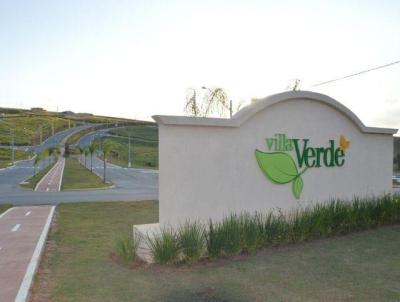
(130, 184)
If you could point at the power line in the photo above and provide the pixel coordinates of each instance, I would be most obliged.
(356, 74)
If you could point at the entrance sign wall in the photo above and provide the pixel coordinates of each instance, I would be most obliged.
(288, 150)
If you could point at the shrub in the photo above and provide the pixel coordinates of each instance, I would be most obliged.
(246, 233)
(191, 240)
(224, 238)
(127, 248)
(164, 246)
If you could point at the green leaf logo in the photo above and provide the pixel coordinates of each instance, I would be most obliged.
(280, 168)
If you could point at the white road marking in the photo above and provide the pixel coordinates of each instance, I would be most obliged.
(33, 264)
(28, 213)
(16, 227)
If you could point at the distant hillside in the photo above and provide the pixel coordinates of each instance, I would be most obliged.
(33, 126)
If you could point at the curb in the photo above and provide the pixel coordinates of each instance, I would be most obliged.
(38, 183)
(6, 211)
(89, 189)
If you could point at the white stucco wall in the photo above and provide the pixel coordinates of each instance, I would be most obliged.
(208, 169)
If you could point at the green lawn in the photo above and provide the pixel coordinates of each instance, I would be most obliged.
(78, 177)
(31, 182)
(144, 146)
(4, 207)
(5, 156)
(77, 265)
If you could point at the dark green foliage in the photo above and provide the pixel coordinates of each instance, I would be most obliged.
(126, 248)
(164, 246)
(191, 239)
(245, 233)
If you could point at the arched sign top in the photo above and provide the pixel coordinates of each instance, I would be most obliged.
(246, 113)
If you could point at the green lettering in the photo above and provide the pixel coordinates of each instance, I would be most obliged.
(339, 160)
(270, 143)
(310, 154)
(320, 151)
(330, 151)
(300, 155)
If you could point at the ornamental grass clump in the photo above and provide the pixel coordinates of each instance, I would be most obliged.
(164, 246)
(224, 238)
(246, 233)
(127, 248)
(251, 233)
(191, 240)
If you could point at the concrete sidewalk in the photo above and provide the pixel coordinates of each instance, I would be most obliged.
(23, 232)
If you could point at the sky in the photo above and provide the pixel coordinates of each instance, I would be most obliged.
(135, 59)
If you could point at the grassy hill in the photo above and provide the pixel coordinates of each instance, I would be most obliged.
(144, 146)
(32, 126)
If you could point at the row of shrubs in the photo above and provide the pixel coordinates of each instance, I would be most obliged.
(247, 233)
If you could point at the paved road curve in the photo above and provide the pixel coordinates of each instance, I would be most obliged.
(22, 234)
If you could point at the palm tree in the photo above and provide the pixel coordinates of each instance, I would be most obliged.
(86, 153)
(53, 151)
(45, 154)
(107, 146)
(81, 152)
(92, 149)
(36, 162)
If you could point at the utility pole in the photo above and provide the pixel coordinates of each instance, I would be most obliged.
(69, 124)
(230, 108)
(129, 152)
(52, 128)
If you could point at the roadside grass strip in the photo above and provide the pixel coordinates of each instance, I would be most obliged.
(31, 182)
(81, 264)
(77, 177)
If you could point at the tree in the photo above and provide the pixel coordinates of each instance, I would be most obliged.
(92, 149)
(45, 154)
(86, 153)
(53, 151)
(191, 106)
(294, 85)
(81, 152)
(104, 151)
(215, 100)
(36, 162)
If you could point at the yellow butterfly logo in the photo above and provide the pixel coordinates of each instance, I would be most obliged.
(343, 143)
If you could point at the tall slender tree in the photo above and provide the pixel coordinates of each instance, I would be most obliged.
(92, 149)
(81, 152)
(36, 162)
(104, 151)
(86, 153)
